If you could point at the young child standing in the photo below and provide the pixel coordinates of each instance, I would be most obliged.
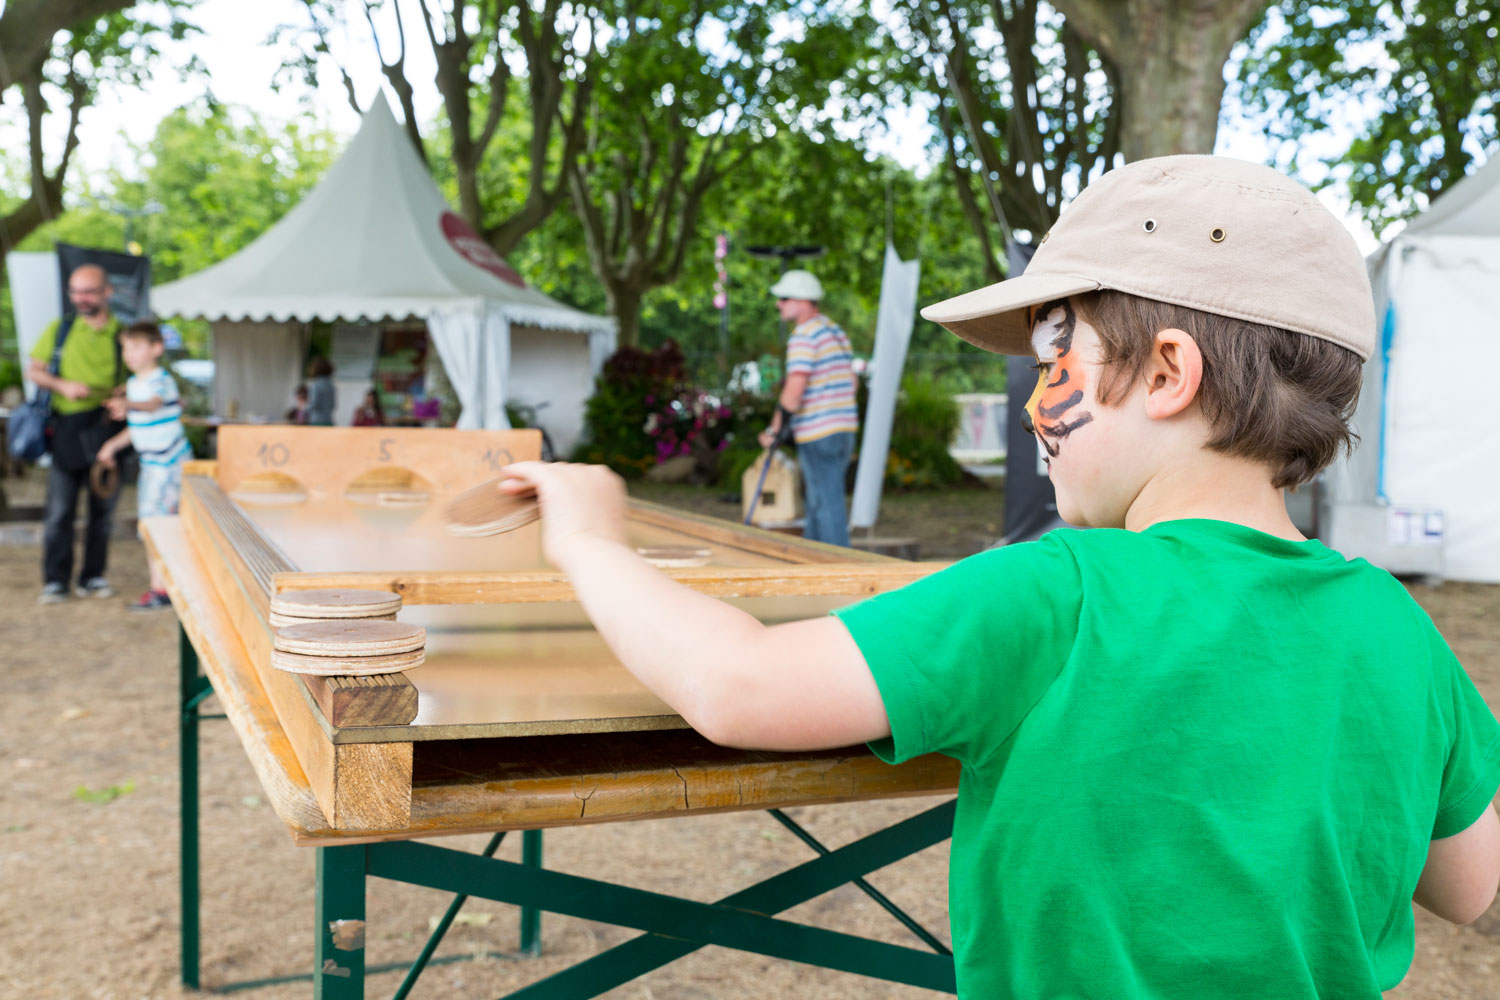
(153, 414)
(1203, 756)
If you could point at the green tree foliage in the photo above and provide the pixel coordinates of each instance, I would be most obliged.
(221, 177)
(1415, 83)
(57, 54)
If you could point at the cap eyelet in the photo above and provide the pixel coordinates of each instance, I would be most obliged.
(1217, 235)
(1149, 225)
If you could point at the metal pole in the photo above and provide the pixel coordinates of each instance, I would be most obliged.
(531, 917)
(187, 772)
(339, 961)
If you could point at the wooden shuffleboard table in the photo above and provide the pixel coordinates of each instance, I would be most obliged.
(520, 718)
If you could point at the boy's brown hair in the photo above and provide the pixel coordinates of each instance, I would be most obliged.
(1269, 394)
(143, 330)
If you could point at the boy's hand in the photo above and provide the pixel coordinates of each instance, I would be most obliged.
(71, 389)
(582, 505)
(106, 457)
(117, 408)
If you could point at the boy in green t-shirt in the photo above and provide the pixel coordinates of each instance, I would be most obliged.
(1202, 755)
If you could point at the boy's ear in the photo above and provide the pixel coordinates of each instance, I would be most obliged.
(1173, 374)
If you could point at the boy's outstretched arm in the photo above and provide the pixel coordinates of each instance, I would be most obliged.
(799, 686)
(1462, 873)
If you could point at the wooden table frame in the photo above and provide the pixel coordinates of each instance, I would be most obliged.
(338, 797)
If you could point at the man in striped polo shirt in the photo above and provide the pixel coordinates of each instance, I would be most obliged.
(818, 398)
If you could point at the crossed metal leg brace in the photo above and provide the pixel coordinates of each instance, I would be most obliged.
(674, 927)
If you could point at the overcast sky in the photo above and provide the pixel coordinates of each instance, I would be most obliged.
(234, 46)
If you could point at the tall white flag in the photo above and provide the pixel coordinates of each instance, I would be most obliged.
(898, 311)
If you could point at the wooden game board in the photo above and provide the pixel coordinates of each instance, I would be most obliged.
(520, 708)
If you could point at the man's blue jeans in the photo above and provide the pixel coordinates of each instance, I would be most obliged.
(824, 464)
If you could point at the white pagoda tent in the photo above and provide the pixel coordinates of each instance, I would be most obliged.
(376, 242)
(1421, 493)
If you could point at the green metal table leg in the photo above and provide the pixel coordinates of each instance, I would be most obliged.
(193, 689)
(339, 962)
(531, 917)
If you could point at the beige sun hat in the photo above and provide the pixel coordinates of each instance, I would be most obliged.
(1212, 233)
(798, 285)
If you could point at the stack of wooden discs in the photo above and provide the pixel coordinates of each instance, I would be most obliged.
(341, 632)
(298, 607)
(349, 647)
(484, 510)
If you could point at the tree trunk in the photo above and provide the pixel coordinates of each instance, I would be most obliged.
(1170, 57)
(625, 306)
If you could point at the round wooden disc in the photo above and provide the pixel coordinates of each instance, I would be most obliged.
(484, 510)
(346, 666)
(403, 498)
(675, 556)
(350, 637)
(283, 621)
(104, 480)
(334, 602)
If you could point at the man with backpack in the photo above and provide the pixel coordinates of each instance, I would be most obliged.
(87, 370)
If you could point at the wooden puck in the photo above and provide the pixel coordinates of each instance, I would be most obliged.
(346, 666)
(104, 480)
(403, 498)
(335, 602)
(284, 621)
(675, 556)
(350, 638)
(484, 510)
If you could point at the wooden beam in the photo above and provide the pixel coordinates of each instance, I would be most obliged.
(329, 459)
(378, 700)
(548, 586)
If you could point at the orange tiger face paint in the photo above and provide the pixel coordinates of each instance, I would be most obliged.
(1057, 405)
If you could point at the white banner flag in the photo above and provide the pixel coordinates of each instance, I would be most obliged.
(898, 311)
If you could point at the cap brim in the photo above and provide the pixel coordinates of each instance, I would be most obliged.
(994, 317)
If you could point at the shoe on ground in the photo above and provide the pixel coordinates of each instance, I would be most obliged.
(151, 600)
(53, 593)
(94, 587)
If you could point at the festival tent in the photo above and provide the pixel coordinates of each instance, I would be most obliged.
(376, 241)
(1421, 493)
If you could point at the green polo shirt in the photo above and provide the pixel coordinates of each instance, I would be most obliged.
(88, 356)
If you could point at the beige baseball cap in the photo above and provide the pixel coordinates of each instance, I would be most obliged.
(798, 285)
(1221, 235)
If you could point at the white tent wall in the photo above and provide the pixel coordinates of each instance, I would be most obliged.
(36, 297)
(550, 367)
(257, 366)
(1440, 449)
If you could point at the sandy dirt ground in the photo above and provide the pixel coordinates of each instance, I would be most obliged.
(88, 842)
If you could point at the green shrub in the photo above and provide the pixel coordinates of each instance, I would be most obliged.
(926, 421)
(625, 394)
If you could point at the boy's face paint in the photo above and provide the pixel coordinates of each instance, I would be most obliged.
(1056, 407)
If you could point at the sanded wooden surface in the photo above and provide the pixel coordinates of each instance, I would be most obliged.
(336, 665)
(329, 460)
(336, 603)
(350, 637)
(467, 786)
(373, 700)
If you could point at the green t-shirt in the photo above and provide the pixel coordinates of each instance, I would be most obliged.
(1198, 761)
(88, 356)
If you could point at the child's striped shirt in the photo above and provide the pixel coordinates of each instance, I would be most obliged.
(156, 435)
(819, 349)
